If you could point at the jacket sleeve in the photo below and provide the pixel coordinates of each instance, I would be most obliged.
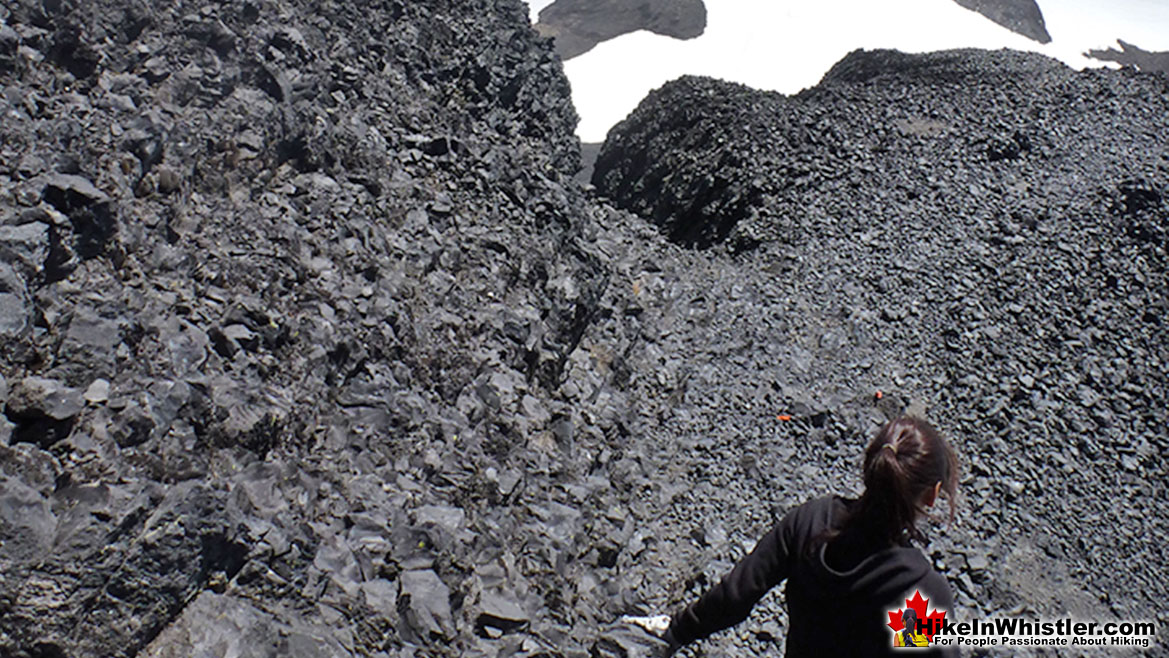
(730, 601)
(935, 585)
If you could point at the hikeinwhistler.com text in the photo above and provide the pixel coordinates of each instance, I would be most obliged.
(1015, 632)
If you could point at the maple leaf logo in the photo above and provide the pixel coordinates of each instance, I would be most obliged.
(930, 623)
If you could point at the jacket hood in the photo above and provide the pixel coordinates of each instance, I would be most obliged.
(882, 576)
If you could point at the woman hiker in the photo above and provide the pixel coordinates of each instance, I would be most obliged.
(850, 564)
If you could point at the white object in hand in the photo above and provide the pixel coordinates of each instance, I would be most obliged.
(657, 624)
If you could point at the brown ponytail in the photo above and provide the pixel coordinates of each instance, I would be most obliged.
(906, 459)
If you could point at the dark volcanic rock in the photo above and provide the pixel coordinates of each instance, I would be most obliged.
(588, 156)
(1021, 16)
(707, 160)
(316, 348)
(953, 225)
(43, 410)
(427, 606)
(213, 622)
(501, 612)
(1132, 55)
(578, 25)
(234, 232)
(175, 541)
(27, 526)
(668, 162)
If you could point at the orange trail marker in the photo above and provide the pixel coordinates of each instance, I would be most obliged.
(783, 417)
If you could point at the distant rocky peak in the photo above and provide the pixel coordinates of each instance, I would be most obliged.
(579, 25)
(1019, 16)
(1132, 55)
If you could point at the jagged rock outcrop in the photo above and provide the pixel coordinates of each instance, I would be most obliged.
(1133, 55)
(1019, 16)
(577, 26)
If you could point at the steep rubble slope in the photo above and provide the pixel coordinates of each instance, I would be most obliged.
(983, 232)
(285, 286)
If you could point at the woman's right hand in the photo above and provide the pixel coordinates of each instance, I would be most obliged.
(659, 626)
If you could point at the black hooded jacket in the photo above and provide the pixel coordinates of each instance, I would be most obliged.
(832, 613)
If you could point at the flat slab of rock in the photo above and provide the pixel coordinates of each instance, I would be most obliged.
(500, 611)
(27, 524)
(73, 190)
(428, 611)
(218, 625)
(38, 396)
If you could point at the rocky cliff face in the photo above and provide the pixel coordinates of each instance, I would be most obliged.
(311, 347)
(264, 265)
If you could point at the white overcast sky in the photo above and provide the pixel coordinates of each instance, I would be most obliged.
(787, 45)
